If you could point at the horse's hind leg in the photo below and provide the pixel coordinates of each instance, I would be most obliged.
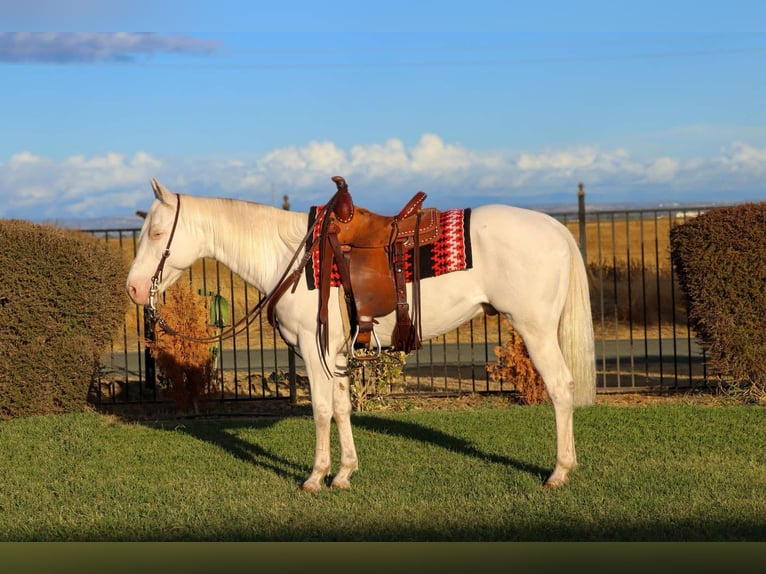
(545, 353)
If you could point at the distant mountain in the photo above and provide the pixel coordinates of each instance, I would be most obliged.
(98, 223)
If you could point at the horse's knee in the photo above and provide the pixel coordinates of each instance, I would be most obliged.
(341, 399)
(322, 412)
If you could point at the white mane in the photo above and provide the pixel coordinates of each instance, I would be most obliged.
(252, 239)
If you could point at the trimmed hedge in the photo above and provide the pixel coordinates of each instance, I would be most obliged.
(720, 258)
(63, 298)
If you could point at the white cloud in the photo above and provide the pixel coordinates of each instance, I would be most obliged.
(745, 157)
(71, 47)
(559, 161)
(379, 160)
(662, 170)
(301, 166)
(383, 174)
(75, 185)
(433, 156)
(23, 158)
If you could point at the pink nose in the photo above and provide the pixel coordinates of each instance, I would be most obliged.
(137, 294)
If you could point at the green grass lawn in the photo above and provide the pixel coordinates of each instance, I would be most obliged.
(672, 472)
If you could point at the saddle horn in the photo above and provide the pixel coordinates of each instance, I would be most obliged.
(344, 205)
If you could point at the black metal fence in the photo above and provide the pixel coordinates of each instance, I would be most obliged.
(643, 339)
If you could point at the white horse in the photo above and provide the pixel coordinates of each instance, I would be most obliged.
(526, 265)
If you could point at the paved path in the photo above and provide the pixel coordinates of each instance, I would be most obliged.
(611, 356)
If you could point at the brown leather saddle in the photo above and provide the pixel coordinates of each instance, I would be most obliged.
(370, 252)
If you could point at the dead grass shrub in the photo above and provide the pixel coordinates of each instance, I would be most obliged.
(515, 368)
(187, 366)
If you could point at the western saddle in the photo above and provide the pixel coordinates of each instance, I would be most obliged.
(369, 252)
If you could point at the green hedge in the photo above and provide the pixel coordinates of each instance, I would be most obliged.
(63, 299)
(720, 258)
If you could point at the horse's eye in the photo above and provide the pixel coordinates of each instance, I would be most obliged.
(155, 233)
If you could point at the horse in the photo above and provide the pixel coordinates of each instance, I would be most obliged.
(525, 265)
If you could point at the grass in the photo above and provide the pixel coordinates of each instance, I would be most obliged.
(667, 472)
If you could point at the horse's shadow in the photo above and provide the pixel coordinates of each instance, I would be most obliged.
(424, 434)
(223, 435)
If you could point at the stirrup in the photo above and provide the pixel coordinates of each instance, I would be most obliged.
(365, 357)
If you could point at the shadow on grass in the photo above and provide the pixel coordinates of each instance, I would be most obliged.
(220, 433)
(444, 440)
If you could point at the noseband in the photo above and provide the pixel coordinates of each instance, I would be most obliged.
(157, 277)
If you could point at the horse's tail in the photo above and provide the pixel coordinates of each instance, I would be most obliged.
(576, 330)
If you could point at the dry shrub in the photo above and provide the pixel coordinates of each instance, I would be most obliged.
(62, 298)
(720, 258)
(187, 366)
(515, 367)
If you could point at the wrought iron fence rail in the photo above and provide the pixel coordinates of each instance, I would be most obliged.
(643, 338)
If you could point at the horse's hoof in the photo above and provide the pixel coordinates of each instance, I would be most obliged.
(311, 486)
(342, 484)
(555, 482)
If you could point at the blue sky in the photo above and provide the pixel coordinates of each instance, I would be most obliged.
(471, 102)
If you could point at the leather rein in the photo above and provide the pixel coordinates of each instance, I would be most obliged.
(287, 280)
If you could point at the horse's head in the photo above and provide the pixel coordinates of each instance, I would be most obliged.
(165, 248)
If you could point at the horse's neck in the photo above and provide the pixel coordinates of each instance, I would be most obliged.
(255, 241)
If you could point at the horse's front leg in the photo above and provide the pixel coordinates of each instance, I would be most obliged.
(321, 387)
(341, 404)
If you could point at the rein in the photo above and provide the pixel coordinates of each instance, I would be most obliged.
(287, 280)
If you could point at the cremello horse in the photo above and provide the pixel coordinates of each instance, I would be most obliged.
(526, 265)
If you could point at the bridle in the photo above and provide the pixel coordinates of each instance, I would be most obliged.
(287, 280)
(157, 277)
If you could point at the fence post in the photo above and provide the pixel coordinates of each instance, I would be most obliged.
(150, 371)
(292, 375)
(581, 220)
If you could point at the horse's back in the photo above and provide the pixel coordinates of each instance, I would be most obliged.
(513, 220)
(517, 238)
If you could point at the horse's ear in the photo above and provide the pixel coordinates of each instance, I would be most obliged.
(161, 192)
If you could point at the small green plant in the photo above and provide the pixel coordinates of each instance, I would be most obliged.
(371, 378)
(220, 313)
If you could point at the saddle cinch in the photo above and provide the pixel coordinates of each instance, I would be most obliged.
(370, 252)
